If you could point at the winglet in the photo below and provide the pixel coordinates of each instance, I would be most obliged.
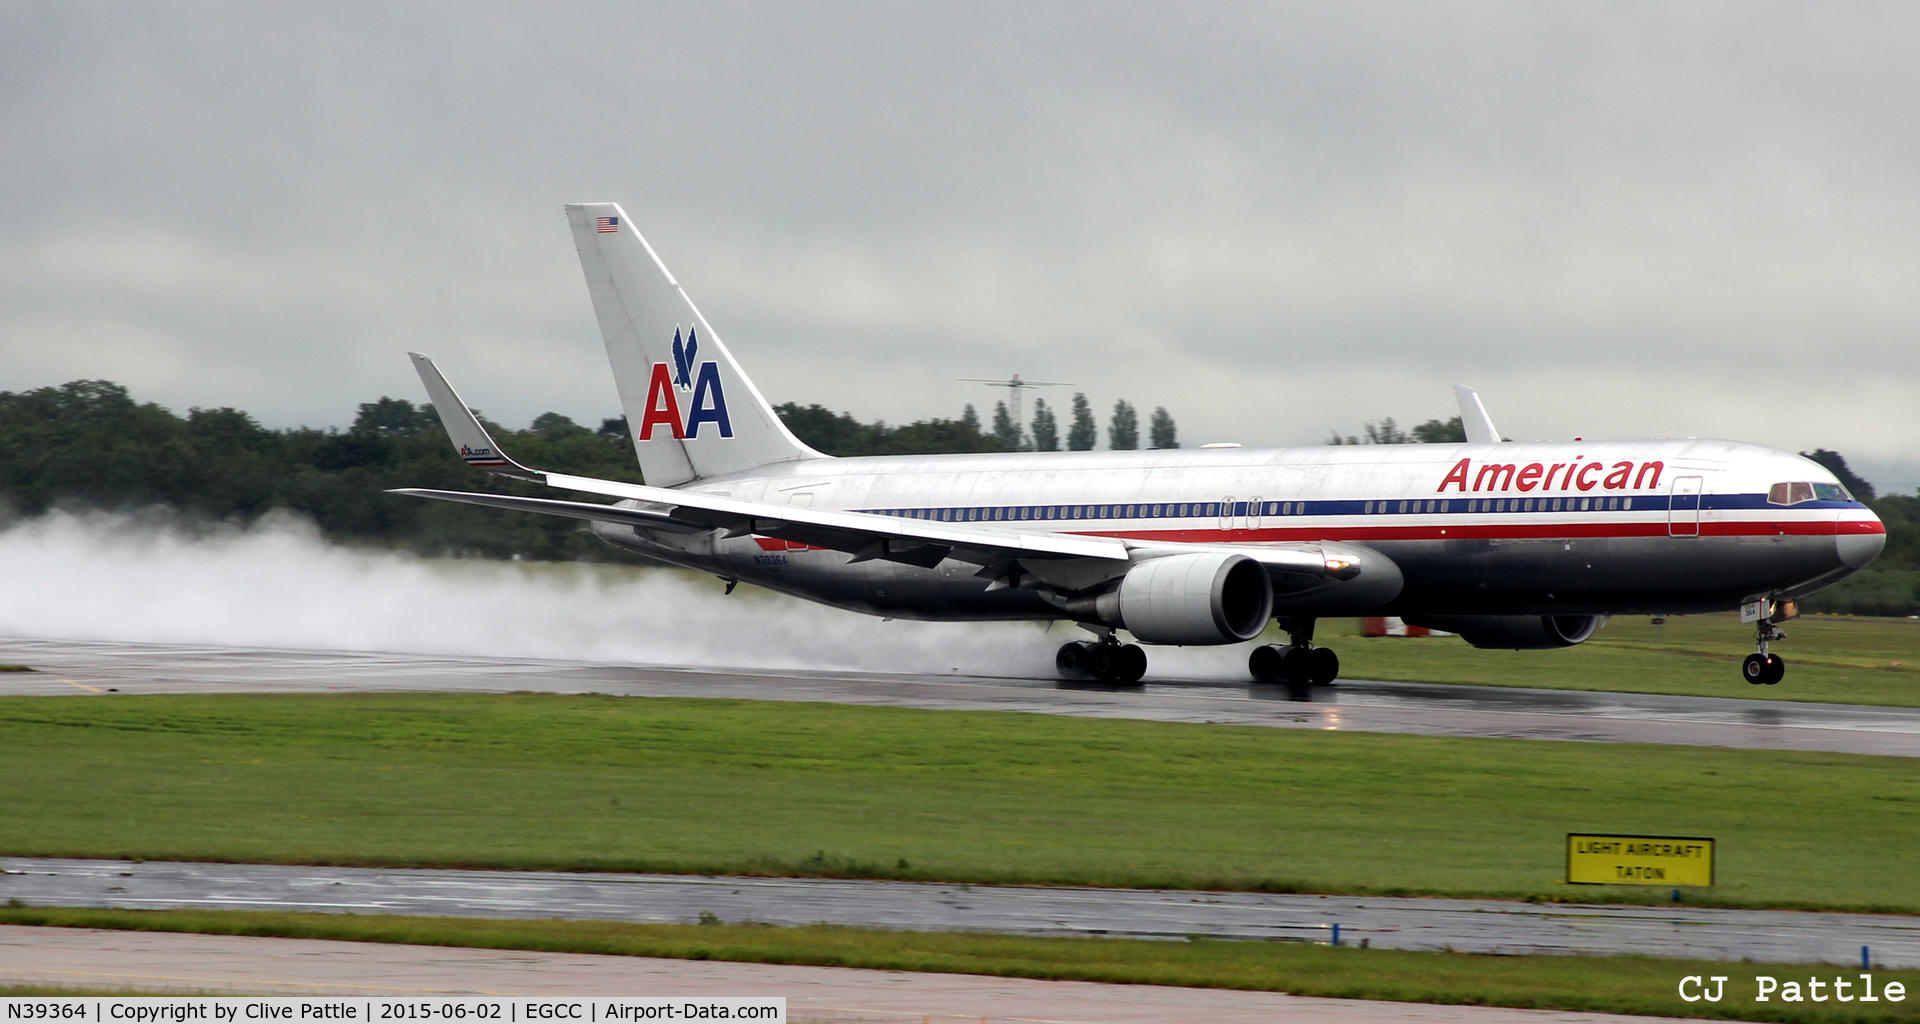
(1474, 418)
(469, 437)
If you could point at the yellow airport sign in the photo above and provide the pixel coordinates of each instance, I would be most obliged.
(1594, 859)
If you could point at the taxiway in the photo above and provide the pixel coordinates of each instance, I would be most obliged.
(1476, 926)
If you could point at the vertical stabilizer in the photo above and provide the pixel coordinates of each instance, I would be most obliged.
(692, 411)
(1474, 418)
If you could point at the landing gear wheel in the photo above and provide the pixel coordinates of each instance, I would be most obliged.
(1115, 663)
(1100, 661)
(1296, 665)
(1071, 660)
(1267, 663)
(1297, 668)
(1763, 669)
(1323, 666)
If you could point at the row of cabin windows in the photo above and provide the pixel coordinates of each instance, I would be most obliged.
(1501, 505)
(1269, 508)
(1027, 512)
(1797, 491)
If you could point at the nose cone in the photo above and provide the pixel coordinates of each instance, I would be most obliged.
(1860, 539)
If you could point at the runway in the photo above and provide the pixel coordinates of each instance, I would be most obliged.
(80, 668)
(105, 670)
(1475, 926)
(149, 961)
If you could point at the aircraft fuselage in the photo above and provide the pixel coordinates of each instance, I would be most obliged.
(1612, 527)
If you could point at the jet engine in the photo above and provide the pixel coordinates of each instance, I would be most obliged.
(1516, 632)
(1208, 597)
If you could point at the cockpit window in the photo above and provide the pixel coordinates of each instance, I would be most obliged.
(1795, 492)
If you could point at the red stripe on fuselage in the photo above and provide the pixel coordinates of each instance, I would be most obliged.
(1499, 531)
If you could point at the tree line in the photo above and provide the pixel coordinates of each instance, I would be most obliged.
(90, 445)
(840, 434)
(1123, 427)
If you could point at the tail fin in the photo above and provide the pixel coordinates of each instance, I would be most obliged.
(692, 411)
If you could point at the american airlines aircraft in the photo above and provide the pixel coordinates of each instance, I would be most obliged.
(1509, 545)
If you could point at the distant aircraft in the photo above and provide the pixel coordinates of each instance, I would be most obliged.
(1509, 545)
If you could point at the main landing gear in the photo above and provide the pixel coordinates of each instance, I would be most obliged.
(1298, 666)
(1107, 660)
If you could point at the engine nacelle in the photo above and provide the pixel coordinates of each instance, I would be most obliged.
(1516, 632)
(1208, 597)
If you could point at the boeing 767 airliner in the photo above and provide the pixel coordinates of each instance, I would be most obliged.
(1509, 545)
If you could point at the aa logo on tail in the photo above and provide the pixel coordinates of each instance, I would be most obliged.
(708, 404)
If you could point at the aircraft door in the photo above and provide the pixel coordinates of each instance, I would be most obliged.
(1683, 511)
(1226, 514)
(801, 499)
(1254, 508)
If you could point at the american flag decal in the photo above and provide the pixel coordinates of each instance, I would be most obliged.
(606, 225)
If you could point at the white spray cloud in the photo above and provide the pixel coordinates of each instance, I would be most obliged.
(97, 576)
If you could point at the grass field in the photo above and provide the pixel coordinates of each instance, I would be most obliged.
(1615, 984)
(713, 786)
(1829, 658)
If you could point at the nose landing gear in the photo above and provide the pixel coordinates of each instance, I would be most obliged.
(1107, 660)
(1299, 666)
(1762, 668)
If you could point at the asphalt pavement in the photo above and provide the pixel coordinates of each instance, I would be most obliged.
(91, 668)
(160, 962)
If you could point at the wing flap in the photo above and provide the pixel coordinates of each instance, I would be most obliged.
(647, 519)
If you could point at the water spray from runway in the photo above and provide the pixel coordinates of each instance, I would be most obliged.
(278, 584)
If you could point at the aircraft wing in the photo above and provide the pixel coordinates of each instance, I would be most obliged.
(622, 515)
(864, 535)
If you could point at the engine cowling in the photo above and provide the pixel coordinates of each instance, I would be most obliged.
(1516, 632)
(1208, 597)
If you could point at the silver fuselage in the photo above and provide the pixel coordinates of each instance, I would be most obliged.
(1517, 528)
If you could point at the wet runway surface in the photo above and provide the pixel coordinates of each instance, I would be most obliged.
(77, 668)
(1484, 926)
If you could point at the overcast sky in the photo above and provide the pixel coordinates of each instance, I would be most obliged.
(1614, 219)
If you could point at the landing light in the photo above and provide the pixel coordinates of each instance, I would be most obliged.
(1337, 564)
